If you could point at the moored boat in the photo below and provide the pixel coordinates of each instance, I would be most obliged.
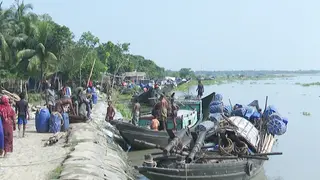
(130, 132)
(229, 148)
(192, 112)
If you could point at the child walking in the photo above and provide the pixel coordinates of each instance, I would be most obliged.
(22, 107)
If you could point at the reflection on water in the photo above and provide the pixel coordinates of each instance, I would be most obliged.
(297, 162)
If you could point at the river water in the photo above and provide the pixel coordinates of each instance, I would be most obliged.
(299, 145)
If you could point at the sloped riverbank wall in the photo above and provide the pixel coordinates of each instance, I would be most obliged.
(94, 154)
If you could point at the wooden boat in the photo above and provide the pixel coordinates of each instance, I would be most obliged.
(209, 156)
(190, 105)
(77, 119)
(130, 132)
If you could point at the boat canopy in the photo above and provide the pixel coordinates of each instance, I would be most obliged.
(246, 130)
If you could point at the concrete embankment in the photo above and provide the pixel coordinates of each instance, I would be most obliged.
(94, 154)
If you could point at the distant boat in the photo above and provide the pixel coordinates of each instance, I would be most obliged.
(151, 96)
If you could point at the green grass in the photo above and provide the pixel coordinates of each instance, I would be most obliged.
(55, 174)
(224, 80)
(122, 103)
(124, 109)
(309, 84)
(34, 97)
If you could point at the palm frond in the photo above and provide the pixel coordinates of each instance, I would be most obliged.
(25, 54)
(4, 48)
(34, 63)
(41, 49)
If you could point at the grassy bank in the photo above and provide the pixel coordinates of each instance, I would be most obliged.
(122, 103)
(224, 80)
(309, 84)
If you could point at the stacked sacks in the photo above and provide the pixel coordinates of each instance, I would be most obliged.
(256, 116)
(216, 106)
(250, 111)
(240, 111)
(277, 125)
(247, 112)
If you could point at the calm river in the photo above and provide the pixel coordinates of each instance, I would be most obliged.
(299, 145)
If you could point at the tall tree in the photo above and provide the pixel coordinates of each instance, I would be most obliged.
(39, 55)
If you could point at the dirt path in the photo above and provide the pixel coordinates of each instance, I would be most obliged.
(30, 160)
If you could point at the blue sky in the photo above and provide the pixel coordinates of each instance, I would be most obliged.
(203, 34)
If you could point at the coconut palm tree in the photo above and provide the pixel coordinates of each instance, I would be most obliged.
(5, 22)
(40, 55)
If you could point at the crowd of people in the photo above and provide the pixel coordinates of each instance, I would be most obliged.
(79, 103)
(57, 101)
(160, 112)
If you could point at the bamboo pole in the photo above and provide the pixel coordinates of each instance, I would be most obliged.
(266, 143)
(271, 144)
(94, 62)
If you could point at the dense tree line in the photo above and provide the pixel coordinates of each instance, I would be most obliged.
(33, 45)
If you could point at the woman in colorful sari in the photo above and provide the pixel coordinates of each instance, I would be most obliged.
(7, 115)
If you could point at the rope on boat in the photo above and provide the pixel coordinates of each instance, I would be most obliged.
(227, 150)
(242, 150)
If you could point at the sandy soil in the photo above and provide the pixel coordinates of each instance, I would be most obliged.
(30, 160)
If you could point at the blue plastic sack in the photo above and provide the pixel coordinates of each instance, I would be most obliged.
(218, 97)
(216, 107)
(66, 122)
(270, 110)
(55, 123)
(241, 112)
(276, 127)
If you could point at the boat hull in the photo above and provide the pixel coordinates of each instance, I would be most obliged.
(215, 171)
(130, 132)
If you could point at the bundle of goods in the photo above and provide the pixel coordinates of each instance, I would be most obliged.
(12, 96)
(241, 112)
(276, 124)
(247, 112)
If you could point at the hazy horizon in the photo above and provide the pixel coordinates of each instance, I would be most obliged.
(202, 35)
